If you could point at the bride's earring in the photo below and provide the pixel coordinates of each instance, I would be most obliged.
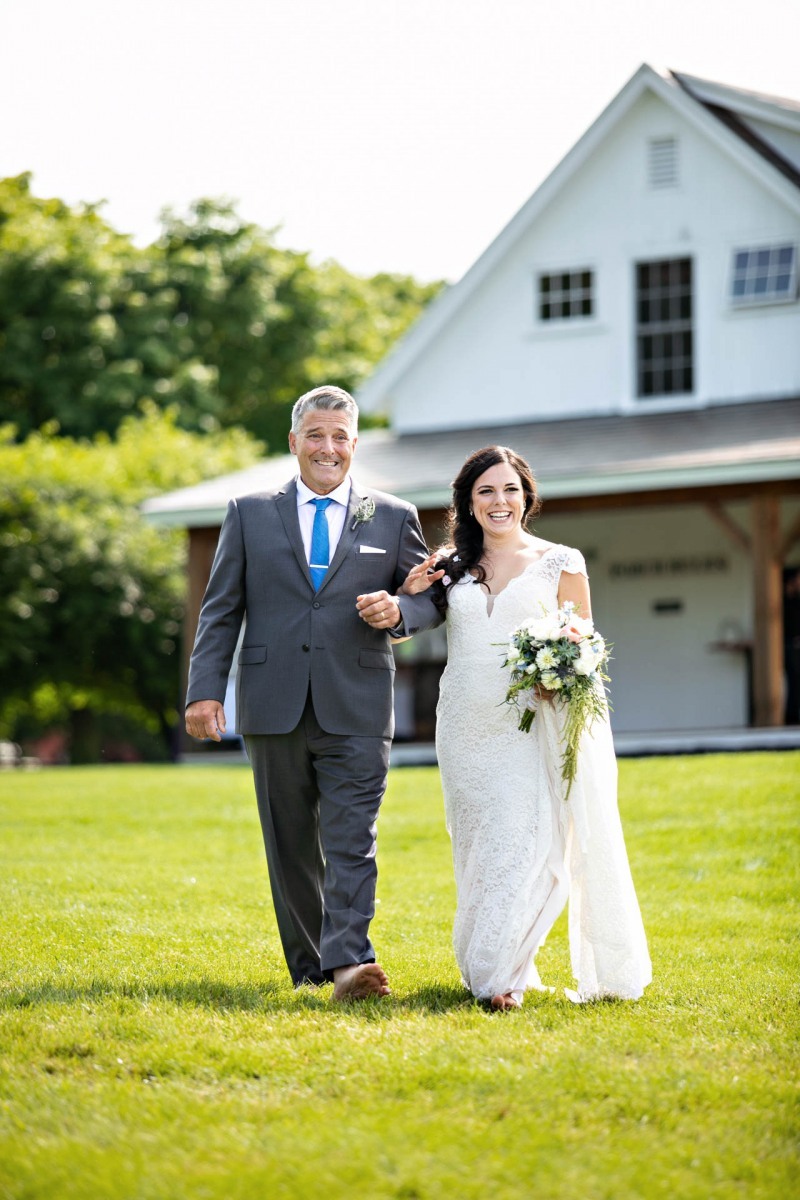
(471, 513)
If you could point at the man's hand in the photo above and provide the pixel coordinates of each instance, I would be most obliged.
(379, 609)
(205, 719)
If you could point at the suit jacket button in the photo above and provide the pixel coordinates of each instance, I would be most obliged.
(315, 604)
(306, 646)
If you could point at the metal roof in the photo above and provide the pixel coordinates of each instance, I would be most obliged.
(750, 442)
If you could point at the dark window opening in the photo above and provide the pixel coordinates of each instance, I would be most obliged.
(664, 344)
(565, 295)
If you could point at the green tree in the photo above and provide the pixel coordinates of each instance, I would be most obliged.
(362, 318)
(213, 320)
(91, 597)
(272, 325)
(250, 307)
(89, 325)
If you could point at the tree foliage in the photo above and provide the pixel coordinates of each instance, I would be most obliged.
(213, 320)
(115, 361)
(89, 325)
(91, 597)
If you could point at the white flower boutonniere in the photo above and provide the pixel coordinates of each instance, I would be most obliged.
(365, 512)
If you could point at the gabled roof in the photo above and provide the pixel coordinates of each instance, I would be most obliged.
(746, 443)
(778, 110)
(716, 110)
(737, 109)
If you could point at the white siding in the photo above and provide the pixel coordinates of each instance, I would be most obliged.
(495, 362)
(665, 673)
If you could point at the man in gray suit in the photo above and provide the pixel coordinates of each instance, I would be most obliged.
(313, 569)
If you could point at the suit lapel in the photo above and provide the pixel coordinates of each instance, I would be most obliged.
(286, 502)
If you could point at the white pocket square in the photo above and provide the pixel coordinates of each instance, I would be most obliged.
(370, 550)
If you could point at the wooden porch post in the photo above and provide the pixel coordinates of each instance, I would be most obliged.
(768, 632)
(202, 546)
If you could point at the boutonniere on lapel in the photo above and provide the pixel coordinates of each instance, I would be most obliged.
(365, 512)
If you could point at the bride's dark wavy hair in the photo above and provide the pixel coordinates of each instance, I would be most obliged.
(463, 553)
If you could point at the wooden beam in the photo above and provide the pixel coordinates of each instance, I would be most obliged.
(729, 527)
(792, 536)
(719, 493)
(202, 547)
(768, 594)
(434, 527)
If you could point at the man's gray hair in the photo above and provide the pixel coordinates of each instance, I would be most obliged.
(329, 398)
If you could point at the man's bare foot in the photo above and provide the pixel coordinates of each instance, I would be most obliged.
(504, 1002)
(360, 981)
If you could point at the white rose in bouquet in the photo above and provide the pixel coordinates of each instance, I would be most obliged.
(587, 660)
(584, 625)
(591, 655)
(539, 628)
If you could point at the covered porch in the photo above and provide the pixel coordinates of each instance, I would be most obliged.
(690, 522)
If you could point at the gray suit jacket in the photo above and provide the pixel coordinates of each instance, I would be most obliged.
(295, 636)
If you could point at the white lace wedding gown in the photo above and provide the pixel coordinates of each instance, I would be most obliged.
(519, 849)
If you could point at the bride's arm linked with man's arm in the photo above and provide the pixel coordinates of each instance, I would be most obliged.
(416, 610)
(408, 612)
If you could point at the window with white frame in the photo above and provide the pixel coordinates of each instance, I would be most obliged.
(764, 275)
(563, 295)
(664, 338)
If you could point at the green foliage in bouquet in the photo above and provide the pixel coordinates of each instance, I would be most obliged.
(562, 655)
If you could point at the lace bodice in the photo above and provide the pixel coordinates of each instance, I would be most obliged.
(472, 614)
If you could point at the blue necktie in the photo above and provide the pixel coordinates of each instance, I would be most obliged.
(320, 544)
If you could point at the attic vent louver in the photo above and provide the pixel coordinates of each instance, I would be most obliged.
(662, 162)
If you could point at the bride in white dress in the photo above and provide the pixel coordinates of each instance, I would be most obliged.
(520, 849)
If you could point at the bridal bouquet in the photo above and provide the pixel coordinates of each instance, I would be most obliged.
(563, 653)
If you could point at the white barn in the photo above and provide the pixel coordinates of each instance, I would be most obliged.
(551, 321)
(635, 333)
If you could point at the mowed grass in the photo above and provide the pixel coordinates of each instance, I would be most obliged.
(152, 1045)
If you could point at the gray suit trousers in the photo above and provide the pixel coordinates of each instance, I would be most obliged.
(318, 800)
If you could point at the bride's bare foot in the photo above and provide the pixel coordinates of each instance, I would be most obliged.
(360, 981)
(504, 1002)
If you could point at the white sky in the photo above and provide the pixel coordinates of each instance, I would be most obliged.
(395, 135)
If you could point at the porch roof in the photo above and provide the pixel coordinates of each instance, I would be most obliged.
(753, 442)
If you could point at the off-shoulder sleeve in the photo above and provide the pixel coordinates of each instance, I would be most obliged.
(573, 562)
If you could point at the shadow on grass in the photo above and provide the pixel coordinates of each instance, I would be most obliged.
(267, 997)
(436, 998)
(199, 993)
(273, 997)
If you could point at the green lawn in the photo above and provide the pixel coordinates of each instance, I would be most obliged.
(151, 1045)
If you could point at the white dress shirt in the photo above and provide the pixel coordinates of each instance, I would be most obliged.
(336, 513)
